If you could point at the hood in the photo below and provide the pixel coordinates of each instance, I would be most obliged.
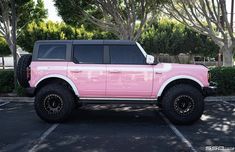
(166, 67)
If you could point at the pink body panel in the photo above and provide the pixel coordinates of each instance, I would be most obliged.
(90, 79)
(134, 81)
(41, 70)
(131, 81)
(197, 73)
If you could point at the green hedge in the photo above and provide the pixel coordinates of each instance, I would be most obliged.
(225, 78)
(167, 36)
(164, 36)
(7, 83)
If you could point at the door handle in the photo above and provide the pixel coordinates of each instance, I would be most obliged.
(114, 71)
(76, 71)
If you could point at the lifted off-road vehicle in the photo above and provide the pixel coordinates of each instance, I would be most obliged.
(64, 73)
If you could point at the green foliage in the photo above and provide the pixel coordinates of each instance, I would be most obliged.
(120, 13)
(70, 12)
(20, 91)
(49, 31)
(171, 37)
(6, 81)
(56, 31)
(28, 11)
(225, 78)
(4, 49)
(162, 37)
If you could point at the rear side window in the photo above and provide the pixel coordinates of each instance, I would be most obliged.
(56, 52)
(126, 54)
(88, 54)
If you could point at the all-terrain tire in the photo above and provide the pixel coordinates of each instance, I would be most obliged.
(21, 71)
(57, 95)
(183, 104)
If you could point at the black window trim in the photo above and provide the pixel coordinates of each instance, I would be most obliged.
(124, 45)
(76, 44)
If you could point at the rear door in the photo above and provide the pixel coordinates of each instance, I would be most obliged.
(87, 70)
(128, 75)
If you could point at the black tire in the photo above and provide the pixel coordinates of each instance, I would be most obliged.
(54, 103)
(183, 104)
(21, 71)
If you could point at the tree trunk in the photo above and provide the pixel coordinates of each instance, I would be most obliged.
(228, 57)
(3, 63)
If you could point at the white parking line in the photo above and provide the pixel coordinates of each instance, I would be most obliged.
(43, 137)
(178, 133)
(3, 104)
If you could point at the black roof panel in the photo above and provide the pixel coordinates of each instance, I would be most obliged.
(121, 42)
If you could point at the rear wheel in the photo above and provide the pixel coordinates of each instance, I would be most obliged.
(183, 104)
(54, 103)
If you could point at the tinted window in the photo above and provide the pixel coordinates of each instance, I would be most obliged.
(126, 54)
(88, 54)
(57, 52)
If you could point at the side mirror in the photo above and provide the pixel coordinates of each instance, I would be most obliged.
(150, 59)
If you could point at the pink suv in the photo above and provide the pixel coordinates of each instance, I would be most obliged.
(63, 73)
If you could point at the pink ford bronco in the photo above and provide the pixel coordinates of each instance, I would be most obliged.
(64, 73)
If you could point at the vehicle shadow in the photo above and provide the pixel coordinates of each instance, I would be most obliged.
(115, 128)
(116, 114)
(216, 127)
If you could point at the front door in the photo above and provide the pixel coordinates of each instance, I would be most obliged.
(128, 75)
(87, 70)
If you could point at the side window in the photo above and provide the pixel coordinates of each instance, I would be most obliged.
(126, 54)
(51, 51)
(88, 54)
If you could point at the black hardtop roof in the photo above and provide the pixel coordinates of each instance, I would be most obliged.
(121, 42)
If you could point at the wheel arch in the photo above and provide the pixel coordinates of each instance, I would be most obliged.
(179, 80)
(57, 79)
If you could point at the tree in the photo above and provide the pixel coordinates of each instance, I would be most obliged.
(127, 19)
(56, 31)
(4, 50)
(15, 15)
(168, 36)
(26, 12)
(208, 17)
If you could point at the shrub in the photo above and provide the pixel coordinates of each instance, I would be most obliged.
(6, 81)
(167, 36)
(225, 78)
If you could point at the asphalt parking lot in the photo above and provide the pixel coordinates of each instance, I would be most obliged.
(116, 128)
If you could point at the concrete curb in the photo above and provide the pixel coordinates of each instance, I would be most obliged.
(220, 98)
(16, 99)
(29, 99)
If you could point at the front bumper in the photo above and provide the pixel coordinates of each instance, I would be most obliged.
(30, 92)
(210, 90)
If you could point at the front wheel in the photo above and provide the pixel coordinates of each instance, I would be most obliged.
(54, 103)
(183, 104)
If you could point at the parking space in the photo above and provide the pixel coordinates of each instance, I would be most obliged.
(115, 128)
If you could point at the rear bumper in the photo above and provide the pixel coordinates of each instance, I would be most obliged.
(30, 92)
(210, 90)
